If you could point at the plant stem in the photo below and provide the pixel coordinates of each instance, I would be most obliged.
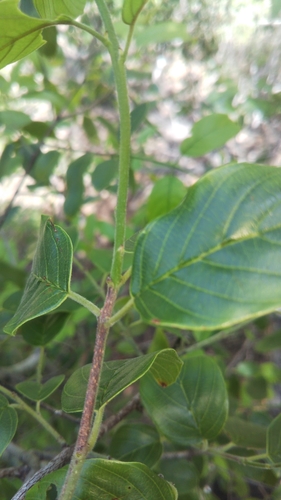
(125, 277)
(128, 42)
(85, 302)
(125, 140)
(90, 30)
(113, 319)
(90, 277)
(24, 406)
(82, 444)
(39, 372)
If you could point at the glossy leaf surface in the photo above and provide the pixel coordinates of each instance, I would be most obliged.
(117, 375)
(20, 34)
(194, 408)
(215, 260)
(274, 440)
(49, 281)
(209, 133)
(108, 480)
(136, 443)
(38, 392)
(8, 423)
(52, 9)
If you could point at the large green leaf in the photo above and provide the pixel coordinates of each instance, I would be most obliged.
(215, 260)
(52, 9)
(8, 423)
(273, 440)
(110, 480)
(136, 443)
(209, 133)
(20, 34)
(49, 281)
(117, 375)
(38, 392)
(194, 408)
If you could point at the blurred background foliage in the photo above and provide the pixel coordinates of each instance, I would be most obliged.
(59, 152)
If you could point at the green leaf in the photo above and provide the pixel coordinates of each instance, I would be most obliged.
(131, 10)
(191, 410)
(44, 166)
(182, 474)
(104, 174)
(117, 375)
(38, 392)
(215, 260)
(139, 113)
(75, 184)
(13, 120)
(269, 343)
(273, 440)
(8, 423)
(49, 281)
(20, 34)
(40, 331)
(136, 443)
(166, 194)
(52, 9)
(162, 32)
(245, 434)
(209, 133)
(110, 480)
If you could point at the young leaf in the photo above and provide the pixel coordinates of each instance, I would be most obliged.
(209, 133)
(273, 440)
(136, 443)
(194, 408)
(110, 480)
(51, 9)
(131, 10)
(117, 375)
(214, 260)
(20, 34)
(49, 281)
(8, 423)
(38, 392)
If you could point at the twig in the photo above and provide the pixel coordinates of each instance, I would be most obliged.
(20, 472)
(134, 404)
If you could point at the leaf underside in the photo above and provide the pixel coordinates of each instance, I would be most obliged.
(215, 260)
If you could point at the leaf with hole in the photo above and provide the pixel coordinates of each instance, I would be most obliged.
(38, 392)
(110, 480)
(49, 282)
(191, 410)
(8, 423)
(215, 260)
(117, 375)
(209, 133)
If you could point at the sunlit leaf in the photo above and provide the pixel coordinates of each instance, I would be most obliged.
(52, 9)
(49, 281)
(117, 375)
(215, 260)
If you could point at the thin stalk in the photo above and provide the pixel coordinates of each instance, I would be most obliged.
(90, 277)
(24, 406)
(125, 276)
(113, 319)
(214, 338)
(82, 446)
(96, 428)
(39, 372)
(90, 30)
(95, 310)
(128, 42)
